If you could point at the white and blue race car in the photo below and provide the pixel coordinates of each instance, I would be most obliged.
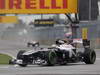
(54, 55)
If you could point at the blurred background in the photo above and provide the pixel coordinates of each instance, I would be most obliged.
(28, 27)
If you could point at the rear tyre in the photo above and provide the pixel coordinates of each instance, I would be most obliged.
(89, 56)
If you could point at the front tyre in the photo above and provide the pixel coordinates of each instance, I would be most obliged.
(19, 55)
(89, 56)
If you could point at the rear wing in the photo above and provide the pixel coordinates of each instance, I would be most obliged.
(77, 41)
(85, 42)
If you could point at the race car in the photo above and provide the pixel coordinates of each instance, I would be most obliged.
(53, 55)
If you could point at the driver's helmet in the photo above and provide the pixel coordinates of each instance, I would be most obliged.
(59, 42)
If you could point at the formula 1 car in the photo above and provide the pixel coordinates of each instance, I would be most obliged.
(51, 56)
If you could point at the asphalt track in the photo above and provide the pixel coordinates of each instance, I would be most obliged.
(72, 68)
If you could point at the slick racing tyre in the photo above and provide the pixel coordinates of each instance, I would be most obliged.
(51, 58)
(89, 56)
(19, 55)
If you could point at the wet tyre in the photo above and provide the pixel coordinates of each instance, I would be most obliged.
(89, 56)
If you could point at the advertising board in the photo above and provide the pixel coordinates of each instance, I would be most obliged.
(38, 6)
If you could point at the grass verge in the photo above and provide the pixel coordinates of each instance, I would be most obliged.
(4, 59)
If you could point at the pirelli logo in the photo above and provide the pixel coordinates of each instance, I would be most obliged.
(33, 4)
(38, 6)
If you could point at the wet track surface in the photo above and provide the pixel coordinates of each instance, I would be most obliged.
(72, 68)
